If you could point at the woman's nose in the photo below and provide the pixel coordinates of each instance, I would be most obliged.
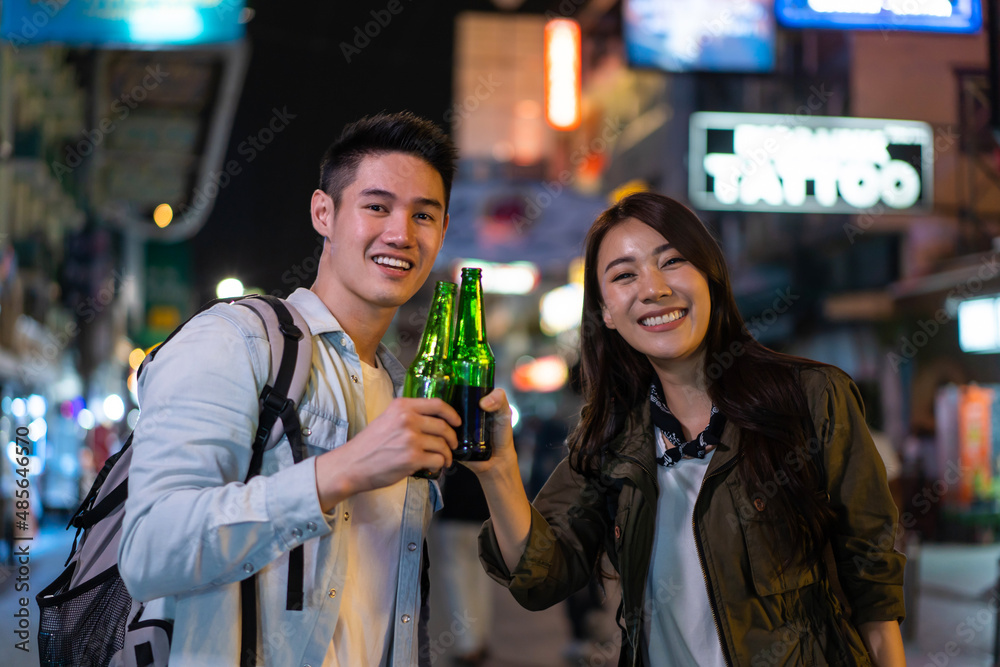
(655, 286)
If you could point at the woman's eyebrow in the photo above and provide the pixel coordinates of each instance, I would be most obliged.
(629, 258)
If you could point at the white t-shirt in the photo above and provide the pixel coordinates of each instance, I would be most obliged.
(362, 635)
(677, 616)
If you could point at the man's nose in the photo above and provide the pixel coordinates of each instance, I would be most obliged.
(398, 230)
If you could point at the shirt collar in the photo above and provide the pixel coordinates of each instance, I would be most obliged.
(321, 321)
(314, 311)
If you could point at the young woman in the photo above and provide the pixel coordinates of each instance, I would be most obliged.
(731, 487)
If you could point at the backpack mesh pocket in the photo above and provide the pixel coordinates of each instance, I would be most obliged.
(84, 626)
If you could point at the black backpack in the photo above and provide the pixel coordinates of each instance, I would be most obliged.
(86, 616)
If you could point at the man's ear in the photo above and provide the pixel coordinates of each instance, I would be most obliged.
(444, 227)
(606, 316)
(322, 209)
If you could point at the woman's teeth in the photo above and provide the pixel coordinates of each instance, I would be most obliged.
(663, 319)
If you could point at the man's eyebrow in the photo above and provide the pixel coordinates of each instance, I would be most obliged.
(385, 194)
(629, 258)
(428, 201)
(378, 192)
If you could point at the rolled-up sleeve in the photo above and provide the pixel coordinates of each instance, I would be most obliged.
(564, 542)
(869, 568)
(190, 520)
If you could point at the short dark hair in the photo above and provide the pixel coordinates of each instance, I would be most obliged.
(402, 132)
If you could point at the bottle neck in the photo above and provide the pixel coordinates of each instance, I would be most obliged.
(471, 321)
(437, 334)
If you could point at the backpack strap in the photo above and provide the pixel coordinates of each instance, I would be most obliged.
(289, 366)
(291, 359)
(290, 363)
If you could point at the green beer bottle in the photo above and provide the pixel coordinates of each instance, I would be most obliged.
(430, 374)
(472, 366)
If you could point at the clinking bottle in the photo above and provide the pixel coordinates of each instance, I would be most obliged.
(473, 366)
(430, 374)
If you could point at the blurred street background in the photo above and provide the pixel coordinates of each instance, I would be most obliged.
(157, 153)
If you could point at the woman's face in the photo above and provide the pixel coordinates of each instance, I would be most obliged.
(657, 300)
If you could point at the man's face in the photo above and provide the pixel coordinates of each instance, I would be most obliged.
(386, 232)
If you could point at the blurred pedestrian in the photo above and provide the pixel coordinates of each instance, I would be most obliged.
(468, 590)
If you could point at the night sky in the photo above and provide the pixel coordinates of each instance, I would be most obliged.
(259, 229)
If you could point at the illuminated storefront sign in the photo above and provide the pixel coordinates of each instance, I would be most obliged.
(122, 23)
(924, 15)
(822, 164)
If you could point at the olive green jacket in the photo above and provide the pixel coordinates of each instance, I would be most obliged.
(765, 614)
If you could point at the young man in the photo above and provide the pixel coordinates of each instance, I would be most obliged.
(193, 530)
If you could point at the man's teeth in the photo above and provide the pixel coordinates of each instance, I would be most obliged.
(663, 319)
(389, 261)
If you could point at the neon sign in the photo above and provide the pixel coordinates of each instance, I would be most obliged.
(823, 164)
(963, 16)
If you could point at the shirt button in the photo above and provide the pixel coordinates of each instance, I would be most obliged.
(354, 378)
(306, 432)
(310, 526)
(247, 567)
(296, 533)
(406, 618)
(333, 592)
(347, 516)
(412, 546)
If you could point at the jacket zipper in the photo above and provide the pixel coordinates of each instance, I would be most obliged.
(633, 633)
(701, 561)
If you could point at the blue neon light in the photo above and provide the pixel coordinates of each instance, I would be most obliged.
(956, 16)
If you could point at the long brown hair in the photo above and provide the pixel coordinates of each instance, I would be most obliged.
(758, 390)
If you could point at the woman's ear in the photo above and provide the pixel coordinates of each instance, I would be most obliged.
(606, 316)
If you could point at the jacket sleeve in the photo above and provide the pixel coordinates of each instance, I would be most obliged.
(568, 526)
(870, 570)
(190, 520)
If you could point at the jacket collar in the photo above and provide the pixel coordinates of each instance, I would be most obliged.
(635, 446)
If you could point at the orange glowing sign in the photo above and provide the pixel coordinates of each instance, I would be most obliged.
(562, 74)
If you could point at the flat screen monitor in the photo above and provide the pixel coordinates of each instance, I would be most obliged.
(703, 36)
(962, 16)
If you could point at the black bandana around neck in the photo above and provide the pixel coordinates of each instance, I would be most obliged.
(665, 420)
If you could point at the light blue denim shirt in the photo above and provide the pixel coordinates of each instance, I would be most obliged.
(193, 529)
